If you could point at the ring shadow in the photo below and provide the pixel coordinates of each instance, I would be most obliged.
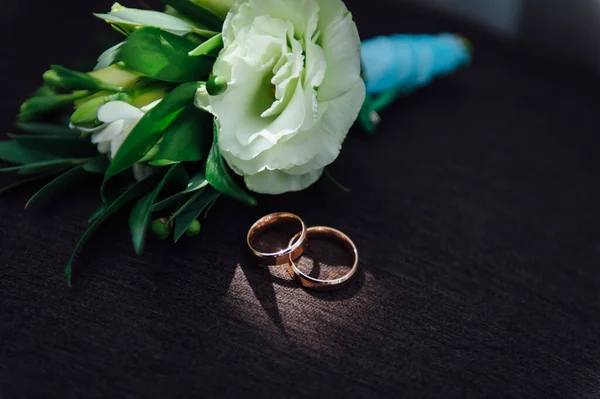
(262, 281)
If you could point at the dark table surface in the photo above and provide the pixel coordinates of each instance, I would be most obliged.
(476, 210)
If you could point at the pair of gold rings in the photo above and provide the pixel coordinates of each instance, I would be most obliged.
(296, 247)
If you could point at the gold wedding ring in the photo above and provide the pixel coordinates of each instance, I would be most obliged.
(317, 284)
(294, 249)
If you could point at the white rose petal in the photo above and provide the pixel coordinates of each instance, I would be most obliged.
(294, 90)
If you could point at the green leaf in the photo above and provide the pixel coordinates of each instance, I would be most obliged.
(60, 145)
(197, 13)
(43, 167)
(188, 137)
(47, 128)
(150, 129)
(191, 210)
(29, 180)
(161, 162)
(98, 212)
(215, 43)
(36, 107)
(211, 205)
(58, 184)
(163, 56)
(129, 19)
(218, 176)
(196, 183)
(140, 216)
(126, 198)
(67, 79)
(97, 165)
(11, 151)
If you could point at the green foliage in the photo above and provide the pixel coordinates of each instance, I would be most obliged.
(87, 114)
(47, 128)
(218, 176)
(197, 12)
(191, 210)
(188, 138)
(150, 128)
(125, 199)
(59, 183)
(63, 78)
(44, 166)
(163, 56)
(196, 183)
(212, 45)
(29, 180)
(39, 106)
(140, 216)
(59, 146)
(13, 152)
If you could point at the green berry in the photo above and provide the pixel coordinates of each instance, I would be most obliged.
(193, 229)
(160, 229)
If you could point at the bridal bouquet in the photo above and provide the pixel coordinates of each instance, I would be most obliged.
(214, 97)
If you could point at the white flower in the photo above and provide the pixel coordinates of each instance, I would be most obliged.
(294, 90)
(119, 119)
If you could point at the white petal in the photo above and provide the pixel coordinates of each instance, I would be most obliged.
(202, 99)
(108, 57)
(116, 143)
(104, 147)
(330, 10)
(334, 126)
(341, 44)
(311, 149)
(119, 110)
(316, 65)
(239, 108)
(277, 182)
(150, 106)
(288, 122)
(109, 132)
(298, 12)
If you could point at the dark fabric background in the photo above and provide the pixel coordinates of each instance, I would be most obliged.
(475, 209)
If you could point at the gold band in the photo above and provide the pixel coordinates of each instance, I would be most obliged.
(294, 249)
(314, 283)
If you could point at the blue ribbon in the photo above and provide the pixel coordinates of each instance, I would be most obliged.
(405, 62)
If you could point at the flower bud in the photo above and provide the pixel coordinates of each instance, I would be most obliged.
(216, 85)
(63, 78)
(147, 95)
(117, 76)
(86, 114)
